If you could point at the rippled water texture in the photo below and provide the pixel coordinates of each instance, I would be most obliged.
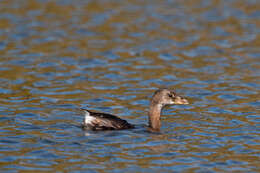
(110, 56)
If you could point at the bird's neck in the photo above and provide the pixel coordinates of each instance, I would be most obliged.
(154, 116)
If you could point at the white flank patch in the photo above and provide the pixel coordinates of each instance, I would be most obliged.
(88, 118)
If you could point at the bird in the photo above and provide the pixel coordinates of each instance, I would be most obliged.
(97, 121)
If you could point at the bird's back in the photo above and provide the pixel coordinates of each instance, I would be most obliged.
(103, 121)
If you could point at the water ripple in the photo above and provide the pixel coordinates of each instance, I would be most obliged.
(59, 56)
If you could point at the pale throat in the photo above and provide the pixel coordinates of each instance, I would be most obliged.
(154, 116)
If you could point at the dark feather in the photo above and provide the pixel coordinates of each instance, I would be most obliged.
(104, 121)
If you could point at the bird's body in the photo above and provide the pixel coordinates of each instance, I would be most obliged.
(103, 121)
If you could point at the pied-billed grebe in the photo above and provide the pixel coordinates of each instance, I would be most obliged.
(104, 121)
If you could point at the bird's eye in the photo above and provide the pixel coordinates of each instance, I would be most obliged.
(170, 95)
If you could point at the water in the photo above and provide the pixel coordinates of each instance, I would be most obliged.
(110, 56)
